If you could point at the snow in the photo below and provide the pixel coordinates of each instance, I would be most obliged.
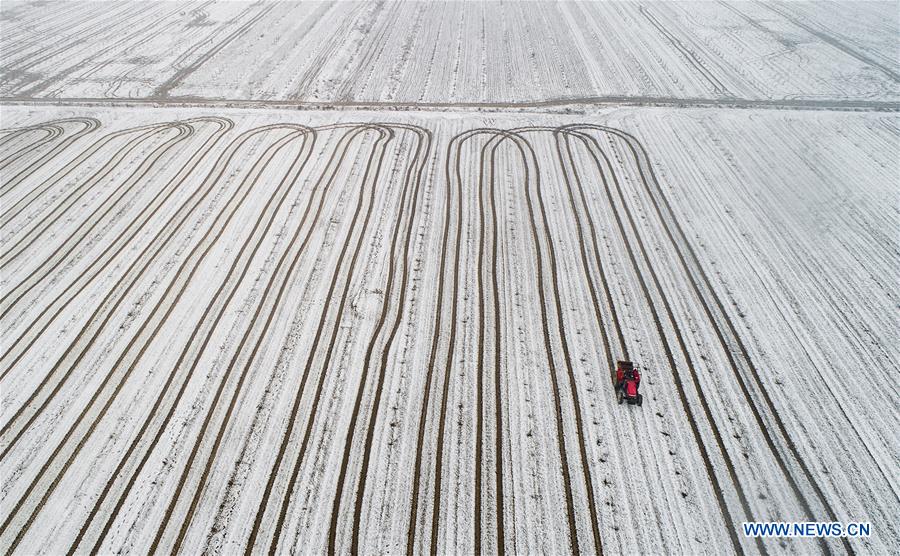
(452, 51)
(230, 328)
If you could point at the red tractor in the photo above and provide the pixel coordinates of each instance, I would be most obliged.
(628, 380)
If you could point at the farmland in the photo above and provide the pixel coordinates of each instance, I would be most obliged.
(388, 321)
(451, 52)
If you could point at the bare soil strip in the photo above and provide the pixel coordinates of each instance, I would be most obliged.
(562, 102)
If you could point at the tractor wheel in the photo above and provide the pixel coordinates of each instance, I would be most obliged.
(640, 399)
(620, 396)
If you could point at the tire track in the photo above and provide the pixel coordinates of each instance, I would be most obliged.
(233, 278)
(53, 131)
(833, 41)
(524, 145)
(154, 23)
(561, 136)
(233, 148)
(182, 133)
(355, 131)
(96, 28)
(433, 355)
(423, 149)
(90, 125)
(290, 422)
(436, 340)
(270, 287)
(331, 46)
(10, 134)
(386, 135)
(576, 403)
(29, 72)
(194, 478)
(497, 137)
(19, 206)
(123, 239)
(436, 334)
(84, 229)
(366, 63)
(113, 84)
(39, 229)
(589, 142)
(692, 59)
(691, 266)
(182, 278)
(620, 336)
(19, 36)
(166, 234)
(164, 89)
(457, 142)
(495, 296)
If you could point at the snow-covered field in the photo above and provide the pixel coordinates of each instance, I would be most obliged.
(451, 51)
(229, 330)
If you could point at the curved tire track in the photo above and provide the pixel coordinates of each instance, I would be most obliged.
(182, 279)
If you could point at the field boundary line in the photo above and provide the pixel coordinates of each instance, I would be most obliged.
(612, 101)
